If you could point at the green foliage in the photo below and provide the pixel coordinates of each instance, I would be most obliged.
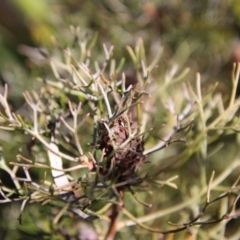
(80, 104)
(122, 136)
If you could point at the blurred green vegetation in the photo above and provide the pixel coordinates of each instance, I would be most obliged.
(200, 35)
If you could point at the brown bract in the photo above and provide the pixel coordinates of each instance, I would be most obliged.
(122, 145)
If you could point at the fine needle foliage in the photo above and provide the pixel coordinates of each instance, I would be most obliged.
(115, 151)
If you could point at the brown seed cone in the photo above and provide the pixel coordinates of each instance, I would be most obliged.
(128, 153)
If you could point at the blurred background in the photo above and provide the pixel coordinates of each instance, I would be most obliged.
(202, 35)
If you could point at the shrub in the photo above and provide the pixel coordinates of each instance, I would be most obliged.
(124, 149)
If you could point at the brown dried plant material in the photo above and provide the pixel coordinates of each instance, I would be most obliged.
(122, 145)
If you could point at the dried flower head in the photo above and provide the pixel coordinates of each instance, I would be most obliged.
(123, 146)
